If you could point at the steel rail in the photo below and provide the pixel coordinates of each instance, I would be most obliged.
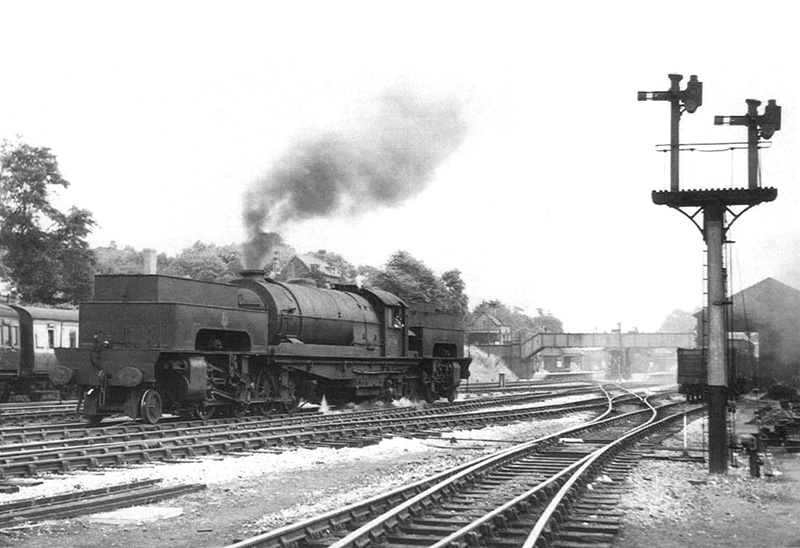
(189, 446)
(375, 528)
(338, 518)
(570, 474)
(331, 423)
(537, 539)
(21, 434)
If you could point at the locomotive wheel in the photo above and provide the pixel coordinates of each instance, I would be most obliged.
(240, 410)
(262, 409)
(150, 406)
(203, 411)
(427, 390)
(288, 407)
(451, 395)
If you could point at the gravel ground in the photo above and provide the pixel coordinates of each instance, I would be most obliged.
(678, 504)
(670, 504)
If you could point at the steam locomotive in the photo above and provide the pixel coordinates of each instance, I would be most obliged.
(28, 338)
(151, 344)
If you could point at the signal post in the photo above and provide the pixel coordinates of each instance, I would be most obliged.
(715, 205)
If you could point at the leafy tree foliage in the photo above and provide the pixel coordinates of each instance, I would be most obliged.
(455, 296)
(206, 262)
(411, 280)
(679, 321)
(522, 326)
(46, 256)
(111, 260)
(200, 261)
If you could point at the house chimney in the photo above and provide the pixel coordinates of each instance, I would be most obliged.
(149, 261)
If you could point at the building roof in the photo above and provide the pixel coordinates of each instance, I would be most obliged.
(768, 302)
(764, 304)
(311, 262)
(480, 321)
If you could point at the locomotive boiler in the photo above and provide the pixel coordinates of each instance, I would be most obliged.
(153, 343)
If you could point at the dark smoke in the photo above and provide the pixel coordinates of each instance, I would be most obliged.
(381, 157)
(258, 248)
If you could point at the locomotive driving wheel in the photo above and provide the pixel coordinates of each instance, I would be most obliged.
(150, 406)
(241, 409)
(265, 389)
(427, 389)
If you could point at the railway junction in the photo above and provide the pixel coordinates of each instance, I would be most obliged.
(297, 470)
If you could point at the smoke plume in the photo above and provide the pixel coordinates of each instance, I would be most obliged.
(258, 248)
(385, 154)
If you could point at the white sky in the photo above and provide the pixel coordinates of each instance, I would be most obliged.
(162, 113)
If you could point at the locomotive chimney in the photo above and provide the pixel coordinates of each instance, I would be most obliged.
(149, 261)
(253, 274)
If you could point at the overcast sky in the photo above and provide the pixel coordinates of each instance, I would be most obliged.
(163, 114)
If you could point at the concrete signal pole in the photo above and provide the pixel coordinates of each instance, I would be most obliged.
(715, 204)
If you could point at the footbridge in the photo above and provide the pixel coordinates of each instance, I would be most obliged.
(609, 341)
(620, 353)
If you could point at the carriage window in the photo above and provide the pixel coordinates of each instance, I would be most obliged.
(14, 335)
(73, 339)
(51, 338)
(6, 336)
(36, 341)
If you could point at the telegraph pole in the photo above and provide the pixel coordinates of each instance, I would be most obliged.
(715, 204)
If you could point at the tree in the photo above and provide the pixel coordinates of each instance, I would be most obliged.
(205, 262)
(47, 258)
(110, 260)
(522, 326)
(412, 280)
(679, 321)
(458, 302)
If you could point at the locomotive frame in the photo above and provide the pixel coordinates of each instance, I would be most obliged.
(154, 343)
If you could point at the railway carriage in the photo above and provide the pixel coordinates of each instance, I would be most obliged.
(153, 343)
(28, 339)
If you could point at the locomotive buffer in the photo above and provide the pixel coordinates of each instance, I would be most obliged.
(715, 205)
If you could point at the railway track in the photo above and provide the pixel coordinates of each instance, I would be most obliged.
(533, 494)
(90, 501)
(80, 429)
(18, 413)
(83, 448)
